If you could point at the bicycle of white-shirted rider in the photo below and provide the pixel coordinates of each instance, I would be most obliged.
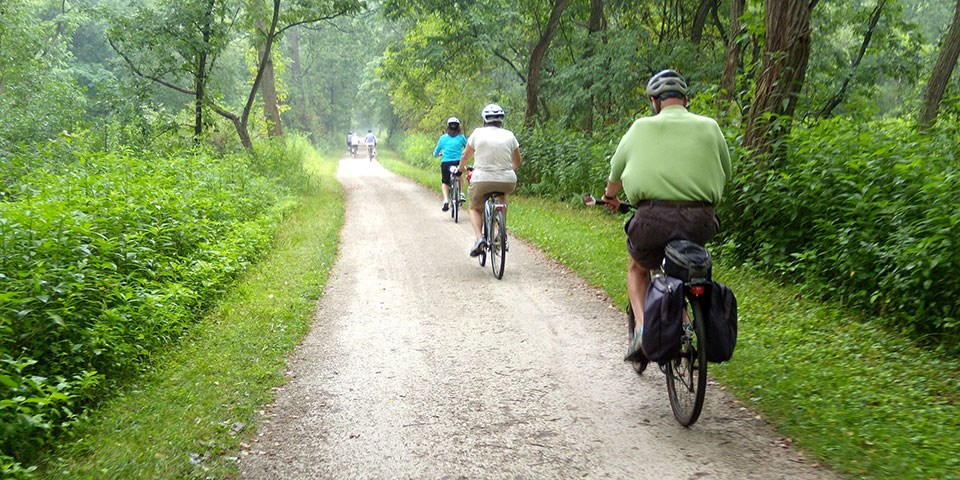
(494, 232)
(687, 373)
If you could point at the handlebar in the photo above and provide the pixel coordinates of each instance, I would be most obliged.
(590, 201)
(456, 171)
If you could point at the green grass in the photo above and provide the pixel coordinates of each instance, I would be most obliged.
(864, 400)
(188, 418)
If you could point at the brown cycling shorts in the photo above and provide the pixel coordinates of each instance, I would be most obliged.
(479, 190)
(655, 223)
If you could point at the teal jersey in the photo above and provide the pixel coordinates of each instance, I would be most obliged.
(452, 147)
(675, 156)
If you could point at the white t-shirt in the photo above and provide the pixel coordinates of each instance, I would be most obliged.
(493, 157)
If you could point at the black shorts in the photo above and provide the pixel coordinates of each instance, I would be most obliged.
(655, 223)
(445, 170)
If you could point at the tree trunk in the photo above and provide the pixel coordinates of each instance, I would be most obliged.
(244, 120)
(271, 108)
(838, 97)
(700, 20)
(537, 56)
(942, 71)
(201, 82)
(594, 25)
(783, 71)
(728, 82)
(271, 104)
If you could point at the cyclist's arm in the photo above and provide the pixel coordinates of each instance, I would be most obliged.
(516, 158)
(465, 157)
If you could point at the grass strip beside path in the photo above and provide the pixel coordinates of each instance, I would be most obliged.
(863, 400)
(188, 418)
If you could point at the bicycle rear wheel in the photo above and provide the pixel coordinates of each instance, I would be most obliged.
(687, 374)
(486, 236)
(455, 200)
(498, 243)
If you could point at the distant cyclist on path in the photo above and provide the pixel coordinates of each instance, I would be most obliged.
(672, 166)
(371, 141)
(450, 148)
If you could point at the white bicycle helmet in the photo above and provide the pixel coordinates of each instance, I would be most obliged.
(665, 82)
(453, 120)
(492, 113)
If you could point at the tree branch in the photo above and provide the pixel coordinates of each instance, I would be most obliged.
(144, 75)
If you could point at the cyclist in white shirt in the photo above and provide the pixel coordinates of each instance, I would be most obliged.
(497, 153)
(371, 143)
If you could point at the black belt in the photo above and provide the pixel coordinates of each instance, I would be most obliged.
(673, 204)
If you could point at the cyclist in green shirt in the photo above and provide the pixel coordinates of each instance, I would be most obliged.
(672, 166)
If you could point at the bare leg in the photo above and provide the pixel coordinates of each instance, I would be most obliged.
(476, 218)
(446, 192)
(638, 279)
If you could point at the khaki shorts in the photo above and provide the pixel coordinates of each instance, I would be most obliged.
(656, 223)
(479, 190)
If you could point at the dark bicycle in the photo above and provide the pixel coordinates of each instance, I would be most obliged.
(687, 372)
(456, 194)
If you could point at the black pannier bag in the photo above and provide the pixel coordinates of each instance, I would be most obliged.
(687, 261)
(721, 324)
(662, 319)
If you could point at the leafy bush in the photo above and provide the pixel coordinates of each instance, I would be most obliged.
(865, 213)
(107, 258)
(563, 164)
(417, 148)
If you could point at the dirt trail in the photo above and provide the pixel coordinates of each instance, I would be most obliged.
(420, 364)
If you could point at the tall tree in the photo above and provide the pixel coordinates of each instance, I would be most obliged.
(837, 98)
(537, 55)
(786, 53)
(700, 20)
(942, 71)
(271, 101)
(174, 45)
(595, 25)
(178, 31)
(728, 82)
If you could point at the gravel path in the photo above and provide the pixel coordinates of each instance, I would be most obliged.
(421, 364)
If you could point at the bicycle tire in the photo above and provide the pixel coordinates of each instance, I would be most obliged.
(455, 200)
(687, 375)
(486, 237)
(498, 243)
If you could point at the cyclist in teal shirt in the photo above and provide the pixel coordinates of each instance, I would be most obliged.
(449, 148)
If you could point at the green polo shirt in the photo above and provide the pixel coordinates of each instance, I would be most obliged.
(674, 155)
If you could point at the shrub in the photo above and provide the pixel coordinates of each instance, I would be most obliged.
(562, 164)
(864, 213)
(108, 258)
(417, 148)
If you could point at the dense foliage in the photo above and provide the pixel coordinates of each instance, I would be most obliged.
(108, 258)
(861, 212)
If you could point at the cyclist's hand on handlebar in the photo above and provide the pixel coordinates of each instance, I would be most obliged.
(612, 204)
